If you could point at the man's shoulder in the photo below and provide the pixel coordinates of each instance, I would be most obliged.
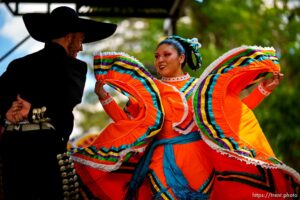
(77, 61)
(48, 57)
(27, 57)
(44, 58)
(77, 65)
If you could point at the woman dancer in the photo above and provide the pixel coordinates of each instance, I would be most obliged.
(176, 129)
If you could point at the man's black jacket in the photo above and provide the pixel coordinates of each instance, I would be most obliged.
(48, 78)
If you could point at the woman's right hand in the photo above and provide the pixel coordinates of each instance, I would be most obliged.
(99, 90)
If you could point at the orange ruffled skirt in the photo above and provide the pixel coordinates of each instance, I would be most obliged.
(233, 154)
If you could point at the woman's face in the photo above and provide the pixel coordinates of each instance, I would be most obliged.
(167, 61)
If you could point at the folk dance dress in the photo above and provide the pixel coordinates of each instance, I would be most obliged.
(185, 138)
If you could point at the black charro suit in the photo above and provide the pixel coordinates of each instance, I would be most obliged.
(48, 78)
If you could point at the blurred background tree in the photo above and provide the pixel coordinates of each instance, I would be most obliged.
(220, 26)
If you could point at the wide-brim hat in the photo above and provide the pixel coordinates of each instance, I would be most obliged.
(62, 20)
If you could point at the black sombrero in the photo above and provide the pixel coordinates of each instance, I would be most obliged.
(62, 20)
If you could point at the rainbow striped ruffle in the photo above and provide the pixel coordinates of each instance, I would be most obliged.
(226, 123)
(116, 143)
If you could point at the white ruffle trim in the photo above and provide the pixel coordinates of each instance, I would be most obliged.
(251, 161)
(175, 79)
(104, 167)
(227, 54)
(118, 54)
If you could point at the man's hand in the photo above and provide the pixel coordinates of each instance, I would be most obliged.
(18, 111)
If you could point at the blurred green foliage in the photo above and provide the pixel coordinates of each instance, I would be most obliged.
(226, 24)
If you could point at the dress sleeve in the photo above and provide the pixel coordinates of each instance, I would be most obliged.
(258, 94)
(111, 107)
(130, 111)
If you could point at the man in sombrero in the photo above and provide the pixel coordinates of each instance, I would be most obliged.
(38, 94)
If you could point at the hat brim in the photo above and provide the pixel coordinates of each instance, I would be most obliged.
(41, 27)
(95, 30)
